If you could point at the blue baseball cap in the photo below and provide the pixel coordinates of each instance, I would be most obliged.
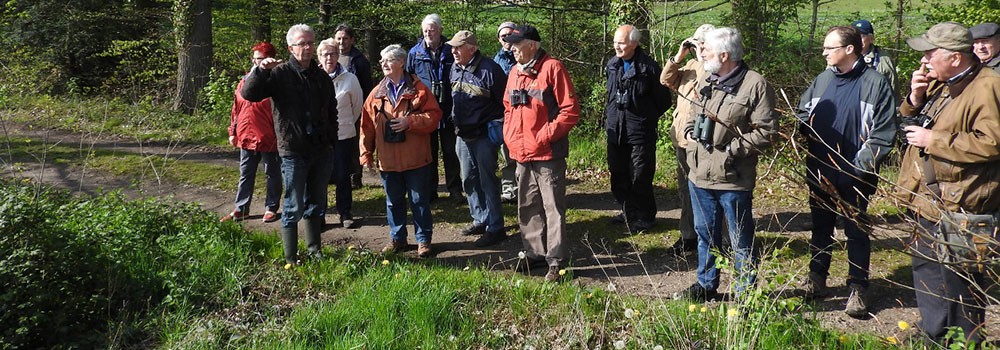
(864, 26)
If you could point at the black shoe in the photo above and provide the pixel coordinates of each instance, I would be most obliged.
(618, 219)
(458, 198)
(696, 293)
(474, 229)
(640, 226)
(490, 238)
(684, 246)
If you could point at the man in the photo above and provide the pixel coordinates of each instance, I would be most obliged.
(305, 122)
(986, 44)
(355, 63)
(873, 55)
(635, 103)
(540, 108)
(683, 81)
(952, 165)
(848, 115)
(251, 129)
(505, 58)
(431, 60)
(736, 120)
(477, 87)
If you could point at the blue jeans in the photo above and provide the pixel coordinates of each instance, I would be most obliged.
(344, 157)
(709, 208)
(248, 176)
(306, 178)
(478, 158)
(416, 183)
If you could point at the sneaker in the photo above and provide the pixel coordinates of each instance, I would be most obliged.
(394, 247)
(814, 287)
(683, 246)
(490, 238)
(618, 219)
(508, 197)
(236, 215)
(553, 274)
(423, 250)
(696, 293)
(270, 216)
(348, 222)
(856, 306)
(474, 229)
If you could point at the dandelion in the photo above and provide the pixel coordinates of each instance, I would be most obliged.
(350, 247)
(843, 339)
(466, 269)
(658, 347)
(562, 272)
(619, 344)
(903, 325)
(521, 255)
(629, 313)
(692, 308)
(451, 338)
(385, 262)
(288, 266)
(732, 313)
(529, 347)
(704, 309)
(892, 340)
(590, 295)
(611, 287)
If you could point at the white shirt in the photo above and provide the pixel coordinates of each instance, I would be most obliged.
(349, 102)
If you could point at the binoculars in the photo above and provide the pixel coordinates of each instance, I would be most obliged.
(519, 97)
(688, 45)
(622, 99)
(436, 90)
(921, 120)
(704, 130)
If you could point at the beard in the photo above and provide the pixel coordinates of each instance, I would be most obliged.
(713, 65)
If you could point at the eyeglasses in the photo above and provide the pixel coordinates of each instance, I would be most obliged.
(257, 58)
(504, 35)
(304, 44)
(831, 48)
(388, 60)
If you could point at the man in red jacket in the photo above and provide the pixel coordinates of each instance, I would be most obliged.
(251, 129)
(540, 108)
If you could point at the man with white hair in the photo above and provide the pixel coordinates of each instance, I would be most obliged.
(635, 102)
(305, 122)
(728, 129)
(431, 60)
(986, 44)
(873, 55)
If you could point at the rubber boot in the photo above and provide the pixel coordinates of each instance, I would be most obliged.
(290, 239)
(314, 226)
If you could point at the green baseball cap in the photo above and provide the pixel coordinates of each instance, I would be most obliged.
(948, 35)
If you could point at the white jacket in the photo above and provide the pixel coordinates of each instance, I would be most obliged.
(349, 102)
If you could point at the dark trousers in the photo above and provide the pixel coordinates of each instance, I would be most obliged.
(344, 157)
(846, 198)
(686, 225)
(947, 296)
(444, 139)
(632, 168)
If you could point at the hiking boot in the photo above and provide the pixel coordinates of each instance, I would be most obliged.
(617, 219)
(394, 247)
(640, 226)
(553, 274)
(270, 216)
(682, 246)
(236, 215)
(474, 229)
(490, 238)
(423, 250)
(814, 287)
(696, 293)
(856, 306)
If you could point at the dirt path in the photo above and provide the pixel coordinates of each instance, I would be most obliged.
(653, 273)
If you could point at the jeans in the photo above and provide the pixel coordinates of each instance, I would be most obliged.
(824, 204)
(397, 185)
(344, 157)
(306, 178)
(478, 158)
(632, 168)
(709, 208)
(248, 176)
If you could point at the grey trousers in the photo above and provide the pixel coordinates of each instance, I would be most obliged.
(541, 209)
(686, 225)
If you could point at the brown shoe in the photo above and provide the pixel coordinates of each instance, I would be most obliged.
(553, 274)
(234, 216)
(394, 247)
(423, 250)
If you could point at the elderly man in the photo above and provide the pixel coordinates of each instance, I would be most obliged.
(477, 87)
(683, 81)
(505, 58)
(848, 113)
(305, 122)
(986, 44)
(873, 55)
(949, 175)
(734, 121)
(541, 107)
(430, 59)
(635, 103)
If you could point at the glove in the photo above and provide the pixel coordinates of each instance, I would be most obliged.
(495, 132)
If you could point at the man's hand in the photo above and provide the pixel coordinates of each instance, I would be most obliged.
(270, 62)
(399, 124)
(232, 141)
(918, 85)
(683, 50)
(917, 136)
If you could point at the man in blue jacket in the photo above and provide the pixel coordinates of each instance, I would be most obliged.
(505, 58)
(431, 59)
(635, 102)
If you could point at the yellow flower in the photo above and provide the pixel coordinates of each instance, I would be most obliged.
(385, 262)
(892, 340)
(590, 295)
(288, 266)
(704, 309)
(732, 313)
(843, 339)
(692, 307)
(903, 325)
(562, 272)
(350, 247)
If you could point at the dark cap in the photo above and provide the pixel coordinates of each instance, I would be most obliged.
(523, 32)
(948, 35)
(984, 30)
(864, 26)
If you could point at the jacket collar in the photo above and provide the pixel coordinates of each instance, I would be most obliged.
(409, 89)
(731, 82)
(619, 63)
(477, 58)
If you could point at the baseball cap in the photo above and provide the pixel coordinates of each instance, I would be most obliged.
(984, 30)
(948, 35)
(463, 37)
(699, 34)
(503, 25)
(864, 26)
(521, 33)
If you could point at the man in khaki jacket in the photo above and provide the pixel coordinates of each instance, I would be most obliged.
(952, 164)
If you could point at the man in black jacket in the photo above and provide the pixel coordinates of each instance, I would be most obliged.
(305, 123)
(635, 102)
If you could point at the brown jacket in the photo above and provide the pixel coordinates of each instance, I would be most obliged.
(417, 104)
(964, 150)
(683, 81)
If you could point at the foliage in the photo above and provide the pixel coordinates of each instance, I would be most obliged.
(968, 12)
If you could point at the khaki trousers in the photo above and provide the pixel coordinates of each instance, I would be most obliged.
(541, 209)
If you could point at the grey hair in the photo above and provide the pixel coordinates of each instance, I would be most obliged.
(395, 52)
(634, 34)
(295, 30)
(433, 18)
(327, 44)
(726, 39)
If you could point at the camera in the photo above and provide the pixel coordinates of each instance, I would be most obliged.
(687, 44)
(622, 99)
(704, 130)
(393, 136)
(519, 97)
(921, 120)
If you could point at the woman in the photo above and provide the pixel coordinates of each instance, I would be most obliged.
(349, 100)
(398, 118)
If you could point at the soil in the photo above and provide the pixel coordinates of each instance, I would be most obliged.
(656, 273)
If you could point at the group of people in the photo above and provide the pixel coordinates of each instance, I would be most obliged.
(520, 106)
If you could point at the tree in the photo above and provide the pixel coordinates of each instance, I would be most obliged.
(193, 34)
(260, 27)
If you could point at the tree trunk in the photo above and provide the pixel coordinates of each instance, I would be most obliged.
(812, 24)
(193, 34)
(325, 12)
(260, 26)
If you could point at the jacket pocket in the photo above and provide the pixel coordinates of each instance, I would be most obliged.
(735, 115)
